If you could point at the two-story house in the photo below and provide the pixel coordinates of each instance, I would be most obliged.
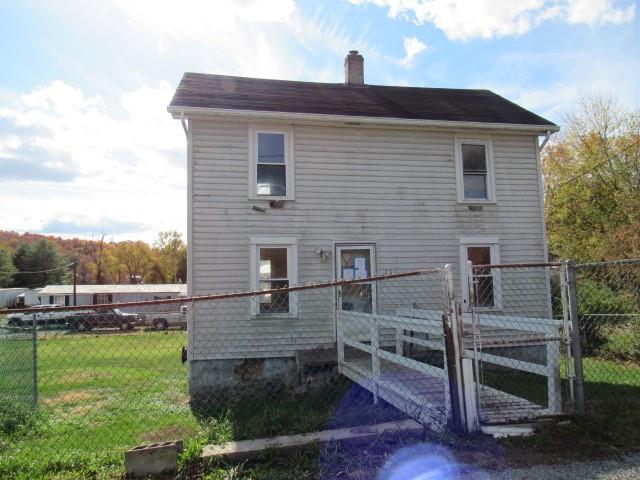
(318, 179)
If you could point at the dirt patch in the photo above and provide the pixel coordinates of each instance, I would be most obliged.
(171, 433)
(86, 408)
(68, 398)
(181, 399)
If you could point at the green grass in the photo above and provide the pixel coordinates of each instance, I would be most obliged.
(16, 366)
(612, 387)
(100, 394)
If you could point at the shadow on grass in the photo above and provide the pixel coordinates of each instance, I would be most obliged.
(278, 410)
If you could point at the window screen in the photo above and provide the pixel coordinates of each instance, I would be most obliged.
(273, 274)
(474, 169)
(482, 277)
(271, 174)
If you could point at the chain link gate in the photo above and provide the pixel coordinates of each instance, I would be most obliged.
(518, 332)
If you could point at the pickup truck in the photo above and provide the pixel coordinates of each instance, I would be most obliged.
(103, 318)
(165, 320)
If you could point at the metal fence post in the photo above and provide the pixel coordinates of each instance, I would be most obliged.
(576, 347)
(375, 359)
(452, 351)
(34, 350)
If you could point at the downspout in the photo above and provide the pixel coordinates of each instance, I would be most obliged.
(186, 129)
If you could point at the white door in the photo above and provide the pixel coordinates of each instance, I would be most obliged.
(353, 262)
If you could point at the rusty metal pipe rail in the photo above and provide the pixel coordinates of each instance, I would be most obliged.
(224, 296)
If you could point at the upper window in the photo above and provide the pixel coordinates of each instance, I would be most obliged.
(274, 267)
(271, 164)
(474, 170)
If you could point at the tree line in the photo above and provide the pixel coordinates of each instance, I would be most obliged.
(28, 260)
(592, 198)
(592, 177)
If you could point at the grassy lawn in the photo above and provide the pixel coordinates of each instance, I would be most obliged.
(100, 394)
(611, 384)
(103, 393)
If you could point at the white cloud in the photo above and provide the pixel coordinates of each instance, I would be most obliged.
(467, 19)
(194, 17)
(256, 38)
(412, 48)
(594, 12)
(81, 161)
(117, 158)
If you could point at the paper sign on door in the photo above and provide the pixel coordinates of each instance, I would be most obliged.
(347, 273)
(361, 267)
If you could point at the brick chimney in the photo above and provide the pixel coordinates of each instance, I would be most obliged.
(354, 69)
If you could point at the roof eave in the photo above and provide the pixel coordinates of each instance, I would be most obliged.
(353, 120)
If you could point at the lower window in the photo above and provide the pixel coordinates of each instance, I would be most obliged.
(274, 274)
(273, 267)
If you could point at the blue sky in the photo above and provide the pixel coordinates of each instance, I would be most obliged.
(86, 145)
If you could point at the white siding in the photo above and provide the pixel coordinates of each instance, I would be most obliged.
(392, 187)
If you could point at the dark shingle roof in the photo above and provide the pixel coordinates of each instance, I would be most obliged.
(446, 104)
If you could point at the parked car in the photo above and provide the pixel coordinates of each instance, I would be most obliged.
(103, 318)
(166, 320)
(43, 319)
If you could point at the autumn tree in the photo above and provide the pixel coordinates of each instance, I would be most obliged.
(114, 270)
(96, 265)
(592, 177)
(172, 255)
(136, 258)
(6, 269)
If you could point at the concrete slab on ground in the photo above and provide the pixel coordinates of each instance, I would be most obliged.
(247, 449)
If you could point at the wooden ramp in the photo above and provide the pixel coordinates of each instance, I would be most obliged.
(370, 353)
(417, 394)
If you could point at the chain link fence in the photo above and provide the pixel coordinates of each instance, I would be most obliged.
(310, 358)
(18, 371)
(251, 364)
(518, 335)
(608, 306)
(294, 359)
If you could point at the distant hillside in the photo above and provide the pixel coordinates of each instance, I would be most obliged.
(67, 247)
(114, 262)
(82, 250)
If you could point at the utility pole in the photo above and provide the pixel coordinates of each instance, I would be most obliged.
(75, 280)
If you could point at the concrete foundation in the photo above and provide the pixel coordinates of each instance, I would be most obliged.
(306, 370)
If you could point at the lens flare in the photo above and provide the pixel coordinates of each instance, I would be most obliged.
(421, 462)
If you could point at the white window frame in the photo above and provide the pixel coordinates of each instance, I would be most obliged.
(288, 162)
(494, 251)
(338, 247)
(491, 182)
(291, 244)
(60, 299)
(104, 296)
